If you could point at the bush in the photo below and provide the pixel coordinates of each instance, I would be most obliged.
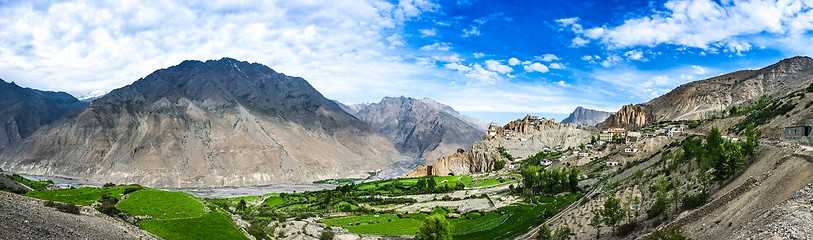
(693, 201)
(627, 228)
(13, 190)
(67, 207)
(673, 233)
(327, 234)
(107, 185)
(473, 215)
(132, 189)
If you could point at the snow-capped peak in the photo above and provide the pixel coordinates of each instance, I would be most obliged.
(87, 97)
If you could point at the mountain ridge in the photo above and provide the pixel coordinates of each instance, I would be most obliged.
(207, 124)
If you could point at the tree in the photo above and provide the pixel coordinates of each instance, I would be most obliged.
(435, 227)
(732, 111)
(752, 136)
(241, 205)
(431, 184)
(581, 146)
(596, 222)
(544, 233)
(612, 213)
(327, 234)
(562, 233)
(499, 165)
(592, 139)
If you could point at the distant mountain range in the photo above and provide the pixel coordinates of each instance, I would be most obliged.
(24, 110)
(584, 116)
(203, 124)
(420, 128)
(705, 98)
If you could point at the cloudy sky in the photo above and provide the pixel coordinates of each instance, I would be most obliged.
(496, 60)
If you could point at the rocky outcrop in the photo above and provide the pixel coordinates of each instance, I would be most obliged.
(630, 117)
(705, 98)
(479, 158)
(206, 124)
(584, 116)
(420, 128)
(521, 138)
(24, 110)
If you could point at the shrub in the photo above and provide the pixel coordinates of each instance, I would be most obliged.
(132, 189)
(327, 234)
(627, 228)
(110, 184)
(67, 207)
(473, 215)
(673, 233)
(693, 201)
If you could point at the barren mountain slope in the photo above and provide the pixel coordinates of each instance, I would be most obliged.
(24, 110)
(206, 124)
(704, 98)
(421, 128)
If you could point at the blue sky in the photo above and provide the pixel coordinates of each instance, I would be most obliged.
(495, 60)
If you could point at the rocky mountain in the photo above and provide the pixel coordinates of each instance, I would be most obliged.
(521, 138)
(584, 116)
(24, 110)
(206, 124)
(704, 98)
(420, 128)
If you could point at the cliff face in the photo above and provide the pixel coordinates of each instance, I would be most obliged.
(521, 138)
(704, 98)
(479, 158)
(630, 117)
(584, 116)
(420, 128)
(206, 124)
(24, 110)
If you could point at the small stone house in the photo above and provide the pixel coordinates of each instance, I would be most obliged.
(802, 134)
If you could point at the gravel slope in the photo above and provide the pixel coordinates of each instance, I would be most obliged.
(26, 218)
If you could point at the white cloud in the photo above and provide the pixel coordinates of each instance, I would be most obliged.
(706, 24)
(457, 66)
(556, 66)
(536, 67)
(428, 32)
(699, 70)
(473, 31)
(611, 60)
(547, 58)
(450, 58)
(587, 58)
(567, 21)
(513, 61)
(496, 66)
(478, 55)
(481, 75)
(78, 46)
(637, 55)
(437, 46)
(579, 42)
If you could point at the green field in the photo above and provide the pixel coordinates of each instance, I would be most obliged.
(384, 224)
(162, 204)
(273, 200)
(79, 196)
(209, 226)
(36, 185)
(178, 215)
(507, 222)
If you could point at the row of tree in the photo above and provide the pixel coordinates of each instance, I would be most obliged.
(721, 158)
(539, 180)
